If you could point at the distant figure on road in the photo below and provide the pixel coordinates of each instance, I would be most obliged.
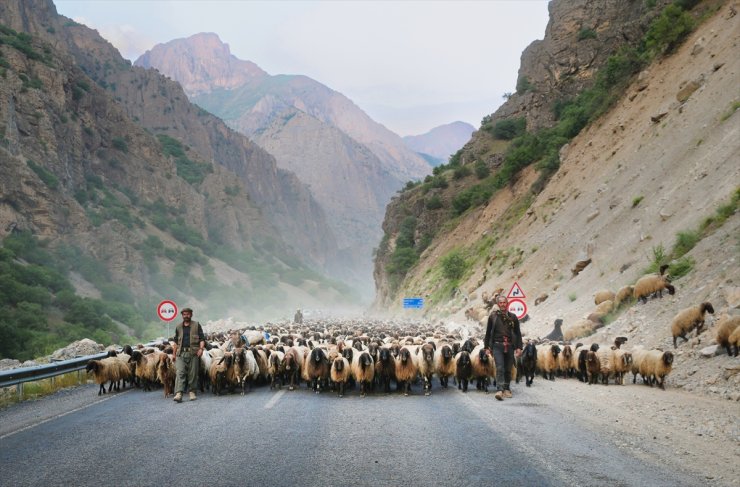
(187, 347)
(298, 318)
(236, 340)
(504, 341)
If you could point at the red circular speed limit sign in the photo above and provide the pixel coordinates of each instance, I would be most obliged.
(518, 307)
(167, 310)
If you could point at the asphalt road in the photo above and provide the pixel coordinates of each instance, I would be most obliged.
(299, 438)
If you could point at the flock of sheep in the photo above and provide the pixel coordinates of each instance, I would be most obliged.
(373, 355)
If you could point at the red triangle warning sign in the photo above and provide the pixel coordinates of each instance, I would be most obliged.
(516, 292)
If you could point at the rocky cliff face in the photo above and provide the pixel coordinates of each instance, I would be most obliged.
(108, 156)
(352, 164)
(627, 184)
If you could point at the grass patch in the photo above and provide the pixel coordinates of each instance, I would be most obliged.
(45, 387)
(636, 201)
(730, 111)
(48, 178)
(572, 297)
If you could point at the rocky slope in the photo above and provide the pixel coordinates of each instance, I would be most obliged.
(658, 163)
(78, 134)
(441, 142)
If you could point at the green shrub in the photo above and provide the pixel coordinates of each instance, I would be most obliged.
(461, 172)
(523, 85)
(402, 259)
(636, 200)
(572, 297)
(584, 34)
(685, 241)
(48, 178)
(481, 170)
(434, 203)
(454, 265)
(510, 128)
(191, 171)
(119, 143)
(470, 198)
(668, 30)
(681, 267)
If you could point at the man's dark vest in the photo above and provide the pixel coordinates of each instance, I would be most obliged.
(194, 337)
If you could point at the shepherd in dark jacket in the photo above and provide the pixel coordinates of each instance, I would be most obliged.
(504, 341)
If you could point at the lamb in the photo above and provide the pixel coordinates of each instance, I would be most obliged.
(623, 295)
(166, 373)
(107, 369)
(556, 334)
(727, 333)
(484, 367)
(316, 369)
(339, 373)
(547, 360)
(527, 363)
(603, 295)
(363, 370)
(650, 284)
(463, 370)
(425, 362)
(444, 364)
(593, 367)
(406, 369)
(656, 365)
(689, 319)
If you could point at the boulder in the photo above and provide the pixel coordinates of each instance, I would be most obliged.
(711, 351)
(77, 349)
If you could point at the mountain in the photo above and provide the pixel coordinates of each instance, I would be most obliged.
(614, 152)
(116, 192)
(352, 164)
(441, 142)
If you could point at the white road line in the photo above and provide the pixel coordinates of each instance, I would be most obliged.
(271, 403)
(59, 416)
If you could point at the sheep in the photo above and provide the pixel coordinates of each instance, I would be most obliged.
(363, 369)
(580, 265)
(146, 367)
(581, 328)
(606, 363)
(603, 309)
(260, 356)
(444, 364)
(316, 369)
(385, 368)
(250, 370)
(593, 367)
(689, 319)
(206, 358)
(275, 369)
(623, 295)
(217, 373)
(547, 360)
(527, 363)
(425, 362)
(582, 354)
(107, 369)
(166, 373)
(339, 373)
(650, 284)
(541, 299)
(128, 371)
(622, 364)
(406, 369)
(564, 360)
(463, 370)
(638, 354)
(292, 362)
(556, 334)
(656, 365)
(603, 295)
(727, 335)
(484, 367)
(734, 341)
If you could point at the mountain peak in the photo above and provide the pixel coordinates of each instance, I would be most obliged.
(201, 63)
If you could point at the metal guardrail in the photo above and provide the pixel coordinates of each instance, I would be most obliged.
(21, 375)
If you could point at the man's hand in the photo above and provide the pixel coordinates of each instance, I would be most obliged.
(199, 352)
(518, 352)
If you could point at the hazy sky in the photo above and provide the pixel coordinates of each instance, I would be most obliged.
(411, 65)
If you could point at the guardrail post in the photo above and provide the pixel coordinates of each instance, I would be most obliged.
(19, 388)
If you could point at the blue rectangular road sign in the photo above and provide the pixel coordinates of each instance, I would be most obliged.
(417, 303)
